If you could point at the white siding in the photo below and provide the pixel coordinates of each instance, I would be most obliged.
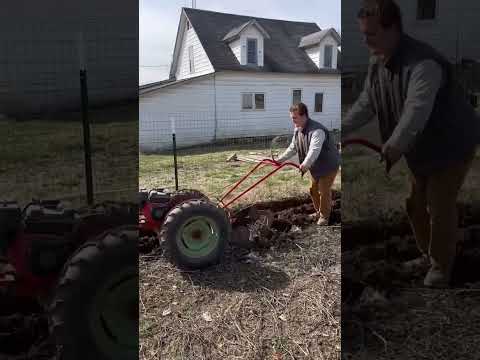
(236, 47)
(232, 121)
(192, 106)
(202, 63)
(39, 62)
(314, 54)
(328, 40)
(454, 18)
(199, 120)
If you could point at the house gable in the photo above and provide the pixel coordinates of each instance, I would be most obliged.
(189, 57)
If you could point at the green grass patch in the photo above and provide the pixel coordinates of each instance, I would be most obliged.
(45, 159)
(213, 175)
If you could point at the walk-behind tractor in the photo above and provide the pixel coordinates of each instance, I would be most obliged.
(194, 230)
(82, 265)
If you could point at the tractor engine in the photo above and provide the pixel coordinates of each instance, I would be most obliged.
(38, 242)
(154, 205)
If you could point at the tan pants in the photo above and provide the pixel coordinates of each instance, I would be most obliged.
(432, 211)
(321, 193)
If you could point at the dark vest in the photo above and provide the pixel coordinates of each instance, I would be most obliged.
(329, 158)
(453, 129)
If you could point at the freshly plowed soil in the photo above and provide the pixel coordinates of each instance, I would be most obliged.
(275, 296)
(387, 313)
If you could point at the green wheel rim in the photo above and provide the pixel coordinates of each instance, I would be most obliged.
(114, 315)
(198, 237)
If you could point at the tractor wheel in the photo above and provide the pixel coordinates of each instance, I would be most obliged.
(195, 233)
(94, 312)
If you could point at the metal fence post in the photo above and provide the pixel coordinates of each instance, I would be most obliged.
(85, 120)
(174, 144)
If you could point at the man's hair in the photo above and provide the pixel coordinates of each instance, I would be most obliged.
(301, 108)
(388, 12)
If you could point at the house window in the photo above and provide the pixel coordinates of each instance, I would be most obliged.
(327, 60)
(190, 59)
(188, 25)
(252, 51)
(318, 102)
(259, 101)
(296, 96)
(426, 9)
(253, 101)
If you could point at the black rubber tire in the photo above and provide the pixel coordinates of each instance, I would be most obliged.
(183, 195)
(91, 268)
(177, 216)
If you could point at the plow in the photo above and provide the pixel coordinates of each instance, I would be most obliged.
(194, 230)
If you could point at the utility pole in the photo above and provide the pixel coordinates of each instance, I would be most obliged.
(194, 4)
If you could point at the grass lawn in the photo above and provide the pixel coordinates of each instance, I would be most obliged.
(45, 159)
(212, 174)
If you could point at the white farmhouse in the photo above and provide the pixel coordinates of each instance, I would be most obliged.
(236, 76)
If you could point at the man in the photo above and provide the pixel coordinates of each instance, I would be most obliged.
(318, 154)
(424, 117)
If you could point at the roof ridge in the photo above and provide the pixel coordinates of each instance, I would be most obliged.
(251, 17)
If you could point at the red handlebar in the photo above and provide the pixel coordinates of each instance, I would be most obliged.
(278, 166)
(363, 142)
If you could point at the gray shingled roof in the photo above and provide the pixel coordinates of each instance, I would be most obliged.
(316, 37)
(281, 51)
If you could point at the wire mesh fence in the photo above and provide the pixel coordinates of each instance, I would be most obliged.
(46, 159)
(43, 154)
(212, 155)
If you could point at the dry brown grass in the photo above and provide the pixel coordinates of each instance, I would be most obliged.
(428, 324)
(285, 304)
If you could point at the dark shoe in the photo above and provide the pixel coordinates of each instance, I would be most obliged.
(420, 264)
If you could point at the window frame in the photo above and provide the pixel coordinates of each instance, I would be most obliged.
(301, 94)
(191, 60)
(321, 103)
(329, 46)
(420, 16)
(256, 51)
(252, 97)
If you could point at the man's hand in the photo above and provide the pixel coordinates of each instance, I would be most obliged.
(390, 154)
(303, 169)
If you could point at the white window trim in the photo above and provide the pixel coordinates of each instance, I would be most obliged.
(252, 93)
(291, 95)
(256, 55)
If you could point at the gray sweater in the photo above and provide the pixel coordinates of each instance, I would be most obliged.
(419, 107)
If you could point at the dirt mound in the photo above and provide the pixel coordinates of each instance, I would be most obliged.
(285, 216)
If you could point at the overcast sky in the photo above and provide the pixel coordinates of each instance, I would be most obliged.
(159, 22)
